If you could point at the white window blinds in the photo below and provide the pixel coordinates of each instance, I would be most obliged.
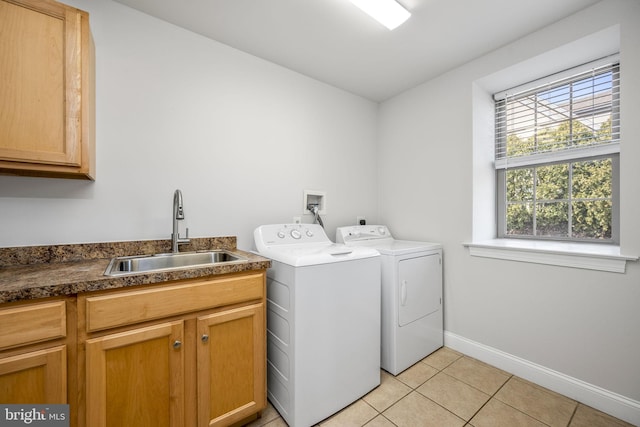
(567, 118)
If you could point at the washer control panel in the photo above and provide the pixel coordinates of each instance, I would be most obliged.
(289, 234)
(355, 233)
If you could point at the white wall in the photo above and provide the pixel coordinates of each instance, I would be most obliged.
(241, 137)
(580, 323)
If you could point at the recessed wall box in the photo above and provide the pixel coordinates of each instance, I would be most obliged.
(312, 198)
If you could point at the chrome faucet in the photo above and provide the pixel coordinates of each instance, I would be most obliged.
(178, 215)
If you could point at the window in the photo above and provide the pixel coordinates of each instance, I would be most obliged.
(556, 157)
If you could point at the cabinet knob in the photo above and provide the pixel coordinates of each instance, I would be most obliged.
(177, 344)
(205, 338)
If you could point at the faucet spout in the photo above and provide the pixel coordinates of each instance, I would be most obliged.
(178, 215)
(178, 209)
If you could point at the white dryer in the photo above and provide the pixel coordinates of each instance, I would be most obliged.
(412, 315)
(323, 321)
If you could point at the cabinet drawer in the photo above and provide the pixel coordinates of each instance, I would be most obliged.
(32, 323)
(130, 307)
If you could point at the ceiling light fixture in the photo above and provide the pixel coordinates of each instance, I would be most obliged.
(387, 12)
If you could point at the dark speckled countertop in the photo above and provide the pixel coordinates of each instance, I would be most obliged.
(32, 272)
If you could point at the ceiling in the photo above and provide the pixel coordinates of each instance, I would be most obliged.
(336, 43)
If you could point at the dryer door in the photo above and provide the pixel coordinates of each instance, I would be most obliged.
(419, 287)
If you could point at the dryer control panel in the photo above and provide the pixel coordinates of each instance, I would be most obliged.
(356, 233)
(289, 234)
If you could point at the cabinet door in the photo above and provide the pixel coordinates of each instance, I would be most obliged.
(46, 114)
(136, 378)
(33, 125)
(231, 365)
(35, 377)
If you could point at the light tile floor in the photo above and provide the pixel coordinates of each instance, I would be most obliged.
(450, 389)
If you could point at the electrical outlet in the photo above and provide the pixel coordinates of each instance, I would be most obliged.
(361, 220)
(296, 220)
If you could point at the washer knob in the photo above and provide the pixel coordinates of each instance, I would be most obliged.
(296, 234)
(309, 233)
(281, 234)
(382, 231)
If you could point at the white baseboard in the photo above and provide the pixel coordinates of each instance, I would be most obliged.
(603, 400)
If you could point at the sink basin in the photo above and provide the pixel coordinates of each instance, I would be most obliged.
(163, 262)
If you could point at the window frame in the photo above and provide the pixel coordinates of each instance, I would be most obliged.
(567, 156)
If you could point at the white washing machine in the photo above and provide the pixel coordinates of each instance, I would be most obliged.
(323, 321)
(412, 315)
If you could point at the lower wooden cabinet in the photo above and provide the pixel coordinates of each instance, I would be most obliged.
(185, 353)
(185, 361)
(230, 365)
(136, 378)
(36, 343)
(35, 377)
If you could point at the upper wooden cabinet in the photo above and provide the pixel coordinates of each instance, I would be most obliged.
(47, 105)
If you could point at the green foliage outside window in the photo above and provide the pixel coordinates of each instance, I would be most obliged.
(565, 200)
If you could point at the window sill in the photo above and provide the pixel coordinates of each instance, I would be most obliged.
(577, 255)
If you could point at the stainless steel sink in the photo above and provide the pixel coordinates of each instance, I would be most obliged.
(162, 262)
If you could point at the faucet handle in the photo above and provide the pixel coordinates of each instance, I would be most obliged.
(185, 239)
